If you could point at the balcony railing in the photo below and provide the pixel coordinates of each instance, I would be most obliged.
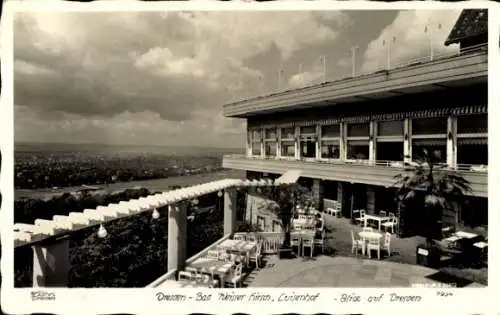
(394, 164)
(379, 173)
(394, 66)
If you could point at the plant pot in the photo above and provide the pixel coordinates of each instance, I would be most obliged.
(428, 256)
(285, 252)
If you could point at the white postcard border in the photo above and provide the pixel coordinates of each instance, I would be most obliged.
(144, 301)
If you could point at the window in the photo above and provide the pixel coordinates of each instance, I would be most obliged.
(437, 146)
(390, 151)
(358, 150)
(288, 148)
(256, 142)
(270, 139)
(330, 131)
(472, 139)
(309, 130)
(390, 143)
(472, 124)
(330, 149)
(270, 148)
(358, 139)
(287, 139)
(330, 142)
(358, 130)
(393, 128)
(307, 148)
(270, 134)
(429, 134)
(288, 133)
(256, 148)
(429, 126)
(308, 142)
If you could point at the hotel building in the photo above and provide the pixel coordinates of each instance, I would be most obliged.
(350, 137)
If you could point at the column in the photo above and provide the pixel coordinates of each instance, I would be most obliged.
(370, 199)
(373, 142)
(262, 143)
(407, 141)
(341, 197)
(278, 145)
(51, 263)
(249, 142)
(297, 142)
(318, 193)
(318, 142)
(451, 141)
(177, 228)
(342, 142)
(230, 208)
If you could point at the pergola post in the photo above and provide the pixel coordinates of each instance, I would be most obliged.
(177, 234)
(407, 154)
(51, 263)
(230, 208)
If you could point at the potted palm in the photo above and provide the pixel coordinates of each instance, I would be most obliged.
(436, 187)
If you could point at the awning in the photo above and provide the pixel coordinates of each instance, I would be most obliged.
(472, 141)
(289, 177)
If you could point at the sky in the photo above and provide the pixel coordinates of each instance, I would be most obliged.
(158, 78)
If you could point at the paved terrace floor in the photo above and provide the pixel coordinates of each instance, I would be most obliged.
(340, 268)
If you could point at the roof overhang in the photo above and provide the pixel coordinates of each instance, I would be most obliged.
(453, 72)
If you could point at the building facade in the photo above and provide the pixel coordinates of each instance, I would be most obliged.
(351, 137)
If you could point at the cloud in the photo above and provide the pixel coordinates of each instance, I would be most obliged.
(102, 64)
(412, 42)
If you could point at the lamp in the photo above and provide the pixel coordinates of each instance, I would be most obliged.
(102, 233)
(219, 193)
(155, 214)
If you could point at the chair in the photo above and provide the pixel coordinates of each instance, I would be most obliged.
(256, 257)
(392, 223)
(295, 241)
(251, 237)
(382, 213)
(357, 244)
(185, 276)
(308, 242)
(235, 277)
(387, 243)
(191, 270)
(367, 229)
(361, 218)
(239, 236)
(373, 244)
(336, 213)
(320, 241)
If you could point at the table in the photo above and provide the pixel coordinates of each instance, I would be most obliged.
(467, 235)
(304, 222)
(378, 218)
(365, 235)
(238, 246)
(212, 266)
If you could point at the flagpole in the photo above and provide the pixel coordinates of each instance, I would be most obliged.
(323, 60)
(279, 78)
(353, 56)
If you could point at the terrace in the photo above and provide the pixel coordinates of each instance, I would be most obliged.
(49, 240)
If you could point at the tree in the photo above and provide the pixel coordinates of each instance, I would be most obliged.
(434, 185)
